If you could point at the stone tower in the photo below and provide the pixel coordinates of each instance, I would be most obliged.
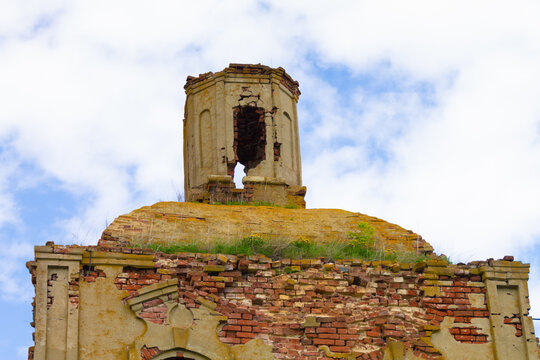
(245, 114)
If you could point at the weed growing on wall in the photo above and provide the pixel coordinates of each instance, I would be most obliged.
(250, 245)
(362, 245)
(363, 237)
(362, 242)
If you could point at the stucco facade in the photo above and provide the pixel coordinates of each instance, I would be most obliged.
(245, 114)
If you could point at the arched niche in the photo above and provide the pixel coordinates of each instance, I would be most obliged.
(206, 140)
(289, 141)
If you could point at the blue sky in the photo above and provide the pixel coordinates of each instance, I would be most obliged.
(423, 113)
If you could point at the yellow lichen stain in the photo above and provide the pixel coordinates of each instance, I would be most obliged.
(177, 222)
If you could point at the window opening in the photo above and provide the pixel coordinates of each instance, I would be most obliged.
(249, 135)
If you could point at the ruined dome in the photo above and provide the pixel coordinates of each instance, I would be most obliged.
(181, 222)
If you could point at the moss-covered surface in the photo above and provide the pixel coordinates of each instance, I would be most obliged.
(360, 245)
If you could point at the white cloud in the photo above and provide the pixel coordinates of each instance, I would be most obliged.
(8, 208)
(462, 171)
(13, 272)
(95, 95)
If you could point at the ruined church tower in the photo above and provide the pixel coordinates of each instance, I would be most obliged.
(245, 114)
(191, 281)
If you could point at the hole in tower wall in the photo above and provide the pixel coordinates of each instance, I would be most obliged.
(249, 135)
(238, 175)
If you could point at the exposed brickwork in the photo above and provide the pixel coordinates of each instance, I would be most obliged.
(300, 306)
(50, 297)
(90, 274)
(224, 192)
(148, 353)
(470, 334)
(449, 296)
(154, 311)
(73, 287)
(514, 321)
(132, 279)
(74, 292)
(315, 309)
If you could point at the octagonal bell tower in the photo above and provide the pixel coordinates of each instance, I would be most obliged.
(245, 114)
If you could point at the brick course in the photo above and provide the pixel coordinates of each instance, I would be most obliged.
(316, 309)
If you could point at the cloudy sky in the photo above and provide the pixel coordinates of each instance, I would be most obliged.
(423, 113)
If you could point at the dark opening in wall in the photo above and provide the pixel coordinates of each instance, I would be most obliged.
(277, 151)
(249, 135)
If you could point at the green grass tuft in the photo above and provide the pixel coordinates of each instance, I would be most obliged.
(362, 245)
(173, 249)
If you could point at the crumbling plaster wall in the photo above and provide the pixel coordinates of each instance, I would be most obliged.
(209, 125)
(135, 304)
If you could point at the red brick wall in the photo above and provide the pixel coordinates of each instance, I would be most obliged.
(316, 309)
